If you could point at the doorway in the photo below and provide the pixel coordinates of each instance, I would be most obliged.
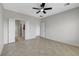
(11, 32)
(19, 30)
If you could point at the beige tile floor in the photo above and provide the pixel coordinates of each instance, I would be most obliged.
(39, 47)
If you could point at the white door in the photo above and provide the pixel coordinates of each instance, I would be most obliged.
(11, 30)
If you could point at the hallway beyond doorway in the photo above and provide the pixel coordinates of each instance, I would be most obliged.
(19, 39)
(20, 30)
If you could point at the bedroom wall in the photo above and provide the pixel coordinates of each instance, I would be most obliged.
(32, 28)
(63, 27)
(42, 28)
(1, 28)
(34, 24)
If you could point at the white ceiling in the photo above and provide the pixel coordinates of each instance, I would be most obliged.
(26, 8)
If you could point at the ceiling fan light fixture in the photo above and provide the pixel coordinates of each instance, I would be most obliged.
(42, 10)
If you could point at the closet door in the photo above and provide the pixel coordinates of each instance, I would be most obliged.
(11, 30)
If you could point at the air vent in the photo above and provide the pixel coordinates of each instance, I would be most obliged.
(67, 4)
(41, 16)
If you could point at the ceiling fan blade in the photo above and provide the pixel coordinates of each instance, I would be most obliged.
(47, 8)
(36, 8)
(37, 12)
(44, 12)
(43, 4)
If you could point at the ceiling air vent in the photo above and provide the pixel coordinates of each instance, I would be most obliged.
(41, 16)
(67, 4)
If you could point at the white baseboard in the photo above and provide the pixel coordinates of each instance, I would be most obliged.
(62, 42)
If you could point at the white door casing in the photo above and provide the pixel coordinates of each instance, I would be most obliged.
(11, 30)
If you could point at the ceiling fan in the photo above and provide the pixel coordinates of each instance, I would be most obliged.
(42, 8)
